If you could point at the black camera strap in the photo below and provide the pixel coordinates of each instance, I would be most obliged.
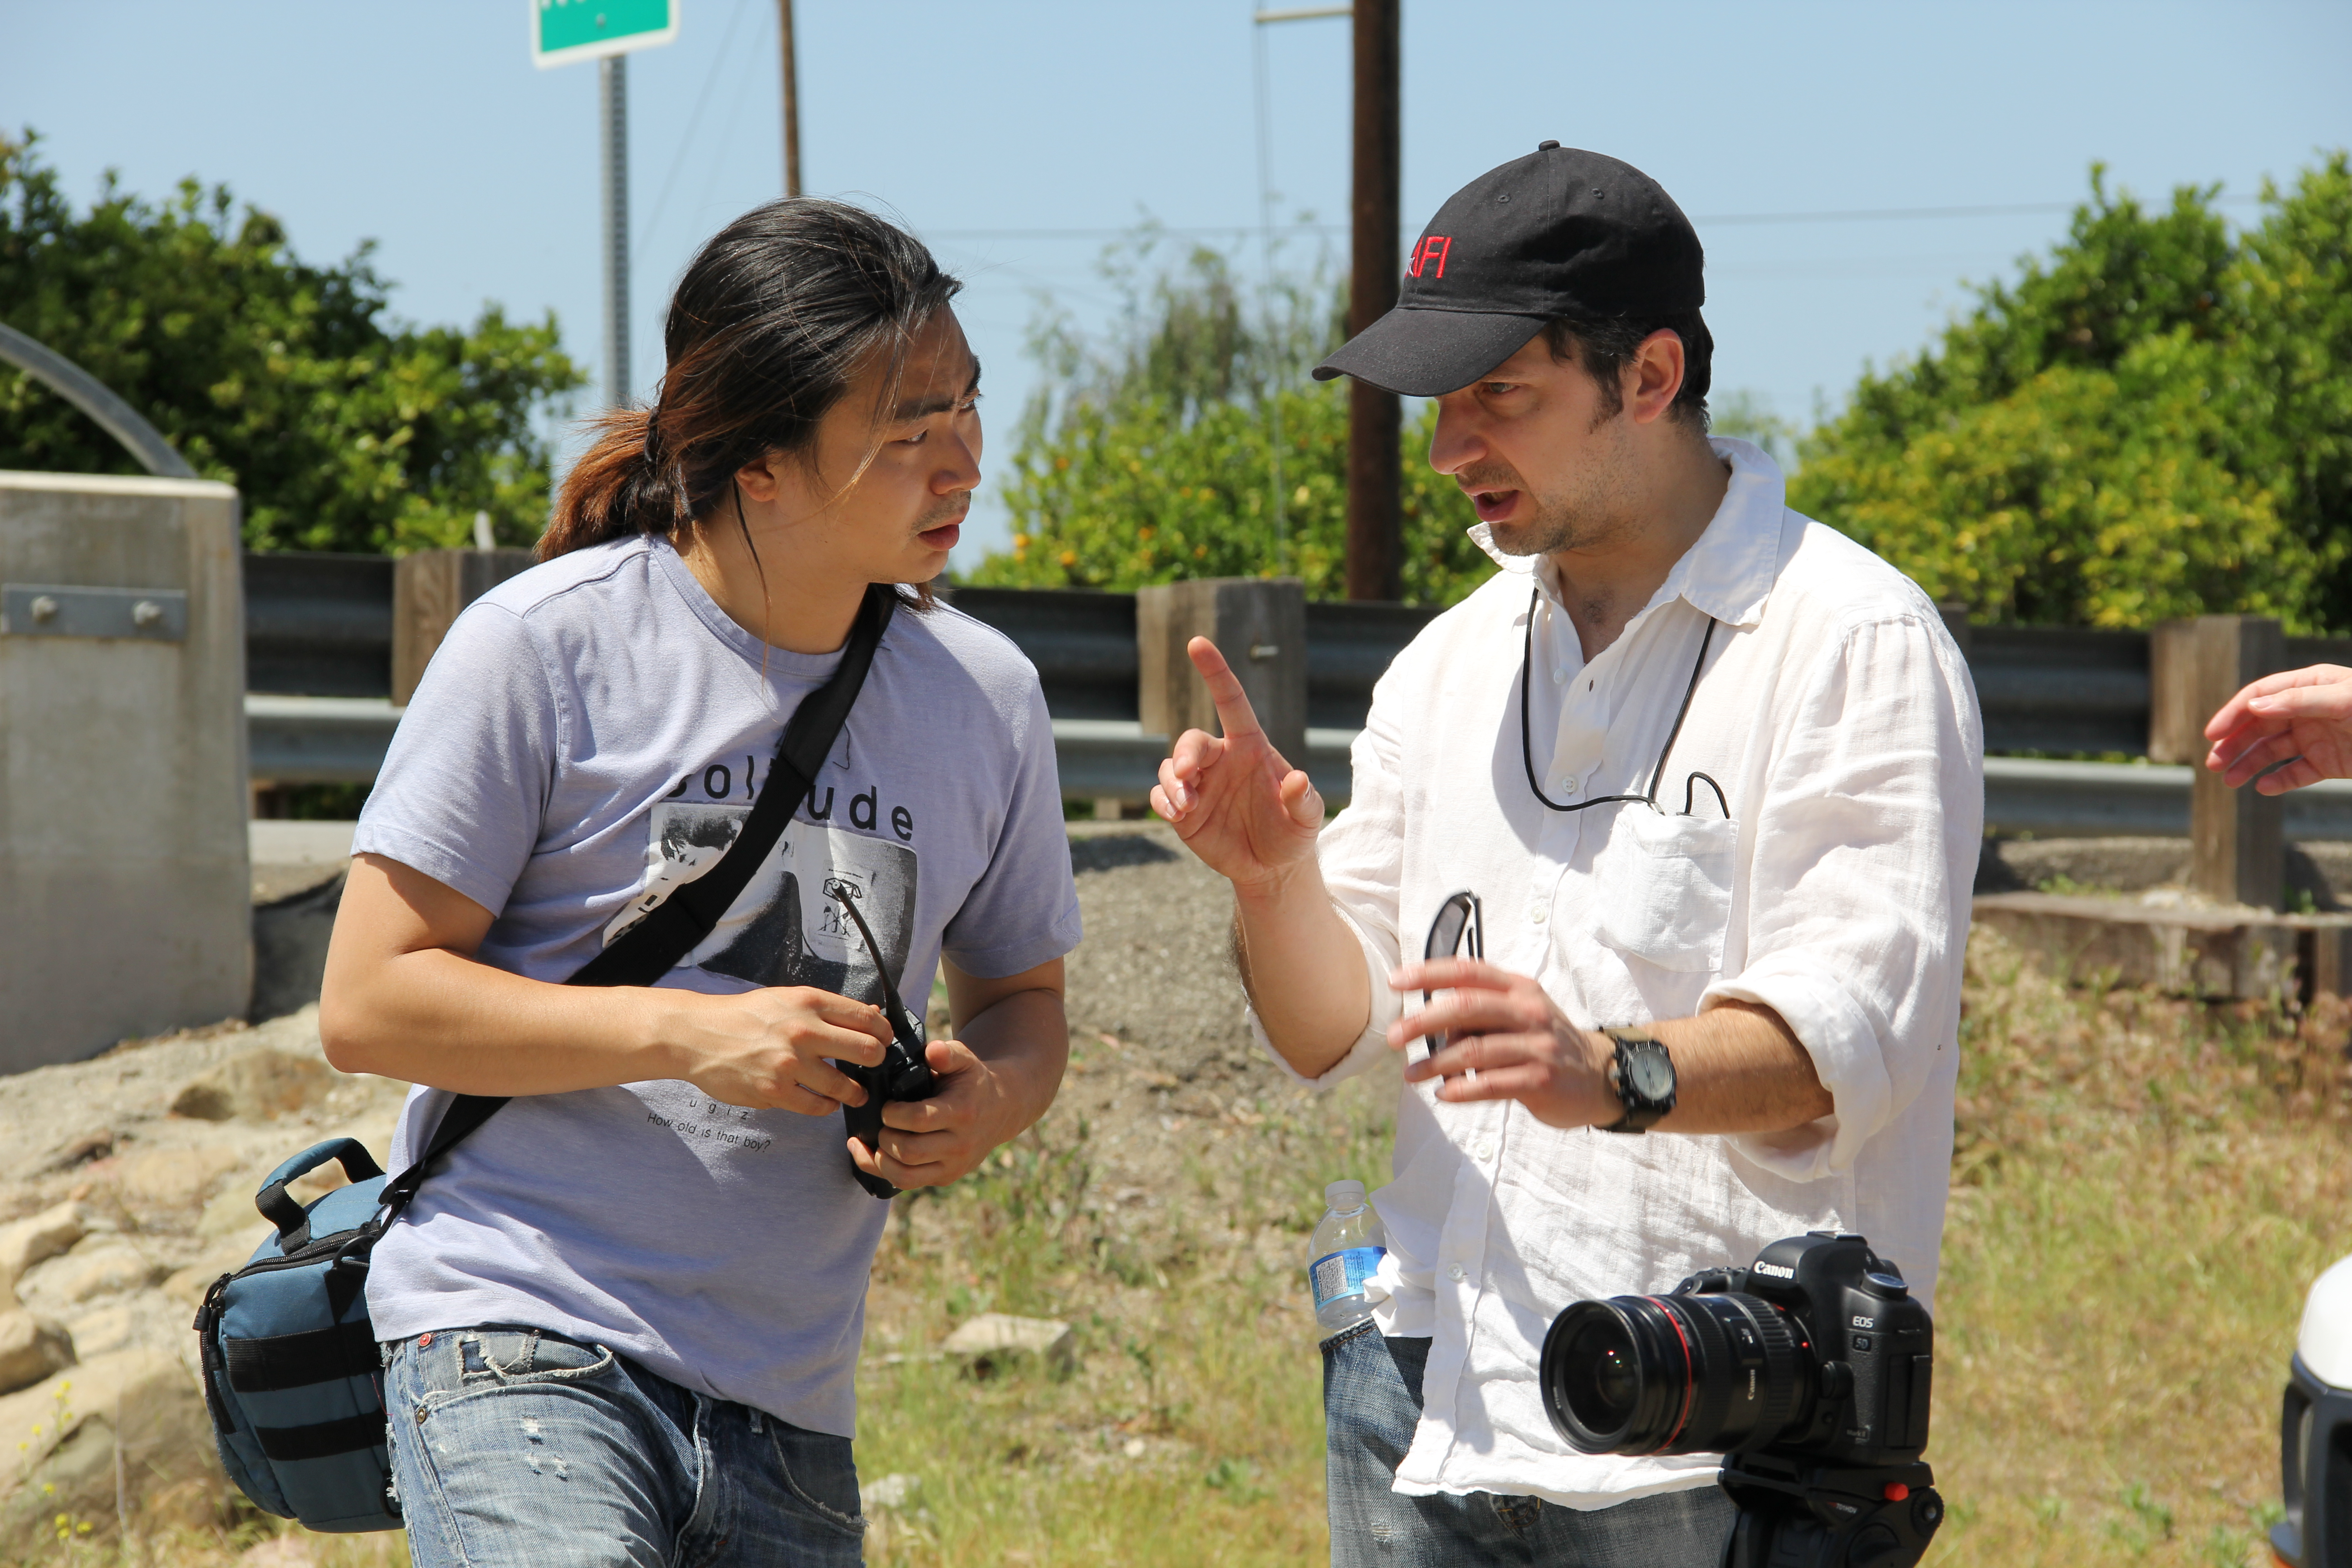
(675, 927)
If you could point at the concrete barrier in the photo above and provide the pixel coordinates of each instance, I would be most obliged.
(123, 876)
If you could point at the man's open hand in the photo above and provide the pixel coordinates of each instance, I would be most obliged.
(1495, 1036)
(1248, 815)
(2303, 714)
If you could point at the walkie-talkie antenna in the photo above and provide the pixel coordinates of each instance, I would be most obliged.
(901, 1021)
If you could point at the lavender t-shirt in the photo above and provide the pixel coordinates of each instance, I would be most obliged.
(589, 737)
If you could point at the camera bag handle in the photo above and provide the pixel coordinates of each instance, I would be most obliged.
(675, 926)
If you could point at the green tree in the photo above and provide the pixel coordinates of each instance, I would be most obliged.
(344, 430)
(1152, 455)
(2155, 420)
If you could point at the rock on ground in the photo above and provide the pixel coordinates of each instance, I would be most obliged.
(126, 1188)
(121, 1435)
(30, 1348)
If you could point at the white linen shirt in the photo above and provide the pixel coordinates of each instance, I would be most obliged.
(1837, 715)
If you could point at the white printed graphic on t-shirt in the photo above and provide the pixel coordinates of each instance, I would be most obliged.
(786, 927)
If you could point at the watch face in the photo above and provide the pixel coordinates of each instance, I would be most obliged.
(1649, 1074)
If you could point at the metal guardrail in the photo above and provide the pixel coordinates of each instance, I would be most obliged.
(2044, 689)
(2110, 800)
(1082, 642)
(1349, 647)
(342, 739)
(319, 740)
(318, 625)
(318, 659)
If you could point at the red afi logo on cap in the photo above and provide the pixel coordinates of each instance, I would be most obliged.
(1433, 247)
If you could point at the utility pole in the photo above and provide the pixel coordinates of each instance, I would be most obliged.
(613, 123)
(792, 99)
(1375, 419)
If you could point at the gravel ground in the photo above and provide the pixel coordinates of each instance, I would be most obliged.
(1160, 1052)
(1156, 968)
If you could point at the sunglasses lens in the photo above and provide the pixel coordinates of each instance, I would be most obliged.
(1445, 935)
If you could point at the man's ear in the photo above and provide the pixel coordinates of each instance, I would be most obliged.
(1654, 376)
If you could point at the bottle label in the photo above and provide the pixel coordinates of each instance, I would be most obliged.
(1343, 1273)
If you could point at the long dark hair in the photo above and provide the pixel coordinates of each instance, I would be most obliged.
(772, 319)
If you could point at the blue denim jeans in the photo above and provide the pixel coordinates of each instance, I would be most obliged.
(1371, 1403)
(514, 1446)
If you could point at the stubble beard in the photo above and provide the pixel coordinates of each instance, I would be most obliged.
(1596, 509)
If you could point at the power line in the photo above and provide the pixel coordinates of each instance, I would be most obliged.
(1859, 214)
(693, 123)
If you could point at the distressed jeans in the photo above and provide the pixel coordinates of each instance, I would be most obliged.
(1371, 1403)
(514, 1447)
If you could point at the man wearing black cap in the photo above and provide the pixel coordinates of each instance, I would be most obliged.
(1713, 775)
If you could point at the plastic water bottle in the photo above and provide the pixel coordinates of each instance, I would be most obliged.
(1348, 1247)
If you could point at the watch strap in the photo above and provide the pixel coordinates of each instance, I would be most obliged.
(1639, 1111)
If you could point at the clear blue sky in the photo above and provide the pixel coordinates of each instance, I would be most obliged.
(424, 127)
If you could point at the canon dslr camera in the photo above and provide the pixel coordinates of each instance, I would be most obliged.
(1809, 1371)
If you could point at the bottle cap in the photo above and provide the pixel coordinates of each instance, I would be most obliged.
(1345, 1195)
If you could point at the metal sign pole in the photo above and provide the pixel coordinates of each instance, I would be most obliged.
(612, 98)
(605, 33)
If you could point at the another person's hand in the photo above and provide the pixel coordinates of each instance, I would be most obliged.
(932, 1143)
(1246, 813)
(769, 1049)
(1495, 1036)
(2302, 714)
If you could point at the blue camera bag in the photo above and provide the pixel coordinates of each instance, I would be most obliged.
(289, 1360)
(292, 1375)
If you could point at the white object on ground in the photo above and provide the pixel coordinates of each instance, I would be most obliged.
(890, 1492)
(2325, 1342)
(999, 1335)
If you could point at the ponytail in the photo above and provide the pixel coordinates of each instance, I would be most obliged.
(615, 490)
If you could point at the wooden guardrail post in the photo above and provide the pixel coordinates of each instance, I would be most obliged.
(2238, 845)
(1260, 626)
(428, 589)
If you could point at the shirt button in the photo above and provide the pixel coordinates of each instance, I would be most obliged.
(1481, 1150)
(1454, 1272)
(1538, 911)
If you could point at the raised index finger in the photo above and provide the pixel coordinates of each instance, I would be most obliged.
(1234, 714)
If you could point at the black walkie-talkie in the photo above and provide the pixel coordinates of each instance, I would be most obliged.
(902, 1074)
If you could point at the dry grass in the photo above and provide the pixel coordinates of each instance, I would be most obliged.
(2144, 1189)
(1191, 1432)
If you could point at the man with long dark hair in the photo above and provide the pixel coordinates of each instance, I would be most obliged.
(622, 1325)
(1713, 772)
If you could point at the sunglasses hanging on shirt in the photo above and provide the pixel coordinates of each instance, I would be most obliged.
(1457, 917)
(1648, 797)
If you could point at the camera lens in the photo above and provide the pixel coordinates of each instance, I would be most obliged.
(1602, 1380)
(1675, 1375)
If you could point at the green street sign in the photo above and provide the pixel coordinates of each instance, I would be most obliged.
(562, 31)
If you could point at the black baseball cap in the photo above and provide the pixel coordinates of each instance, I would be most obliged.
(1561, 232)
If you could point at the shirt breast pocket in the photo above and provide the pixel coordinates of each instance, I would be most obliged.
(1664, 888)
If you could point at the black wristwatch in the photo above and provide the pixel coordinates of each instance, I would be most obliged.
(1643, 1076)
